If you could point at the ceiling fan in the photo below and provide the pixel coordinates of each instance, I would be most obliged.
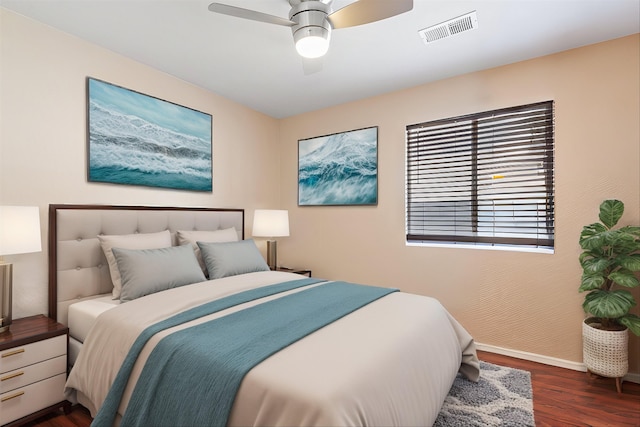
(311, 21)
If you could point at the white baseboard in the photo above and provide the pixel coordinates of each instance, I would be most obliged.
(632, 378)
(546, 360)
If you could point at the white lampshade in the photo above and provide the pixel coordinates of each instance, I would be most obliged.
(312, 46)
(19, 234)
(270, 223)
(19, 230)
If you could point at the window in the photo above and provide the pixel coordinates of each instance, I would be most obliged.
(483, 179)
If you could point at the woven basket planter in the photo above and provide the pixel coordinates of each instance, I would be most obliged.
(605, 352)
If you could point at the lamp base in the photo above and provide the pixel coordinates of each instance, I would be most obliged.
(6, 274)
(272, 254)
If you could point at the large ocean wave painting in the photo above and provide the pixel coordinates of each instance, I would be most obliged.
(137, 139)
(339, 169)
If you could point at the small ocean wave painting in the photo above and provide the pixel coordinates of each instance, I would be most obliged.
(339, 169)
(137, 139)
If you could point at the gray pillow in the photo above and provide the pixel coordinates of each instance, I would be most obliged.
(232, 258)
(161, 239)
(147, 271)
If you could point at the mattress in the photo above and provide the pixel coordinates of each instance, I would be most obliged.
(83, 314)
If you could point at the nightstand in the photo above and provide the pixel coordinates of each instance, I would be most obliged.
(295, 270)
(33, 369)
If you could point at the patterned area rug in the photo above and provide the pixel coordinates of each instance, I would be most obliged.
(502, 397)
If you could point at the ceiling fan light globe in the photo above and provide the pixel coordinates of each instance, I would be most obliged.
(312, 46)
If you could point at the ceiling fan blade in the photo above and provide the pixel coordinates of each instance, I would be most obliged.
(366, 11)
(239, 12)
(311, 65)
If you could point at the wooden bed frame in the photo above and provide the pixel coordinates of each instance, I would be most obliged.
(77, 267)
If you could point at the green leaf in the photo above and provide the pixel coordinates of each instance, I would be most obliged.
(620, 242)
(591, 236)
(584, 256)
(630, 229)
(610, 212)
(627, 243)
(630, 262)
(610, 305)
(624, 278)
(590, 282)
(632, 322)
(595, 265)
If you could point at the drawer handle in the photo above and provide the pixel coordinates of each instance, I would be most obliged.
(13, 396)
(8, 377)
(13, 353)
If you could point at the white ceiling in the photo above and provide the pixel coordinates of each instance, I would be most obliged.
(256, 64)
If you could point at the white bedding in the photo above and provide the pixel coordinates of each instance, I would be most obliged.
(83, 314)
(389, 363)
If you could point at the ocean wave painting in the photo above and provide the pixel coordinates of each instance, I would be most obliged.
(137, 139)
(339, 169)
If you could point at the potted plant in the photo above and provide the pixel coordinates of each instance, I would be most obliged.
(610, 261)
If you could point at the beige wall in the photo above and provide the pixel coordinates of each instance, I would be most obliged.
(515, 300)
(43, 138)
(522, 301)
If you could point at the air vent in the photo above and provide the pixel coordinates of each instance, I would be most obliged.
(450, 28)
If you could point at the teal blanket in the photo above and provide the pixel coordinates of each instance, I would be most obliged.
(192, 376)
(107, 413)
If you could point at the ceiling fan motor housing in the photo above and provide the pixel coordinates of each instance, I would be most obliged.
(310, 17)
(311, 21)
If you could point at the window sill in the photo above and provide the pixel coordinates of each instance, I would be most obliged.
(482, 247)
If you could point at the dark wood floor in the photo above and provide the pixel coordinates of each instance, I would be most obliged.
(561, 397)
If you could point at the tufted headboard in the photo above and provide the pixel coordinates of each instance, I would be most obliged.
(77, 267)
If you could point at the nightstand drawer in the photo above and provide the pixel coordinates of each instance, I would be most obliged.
(26, 400)
(21, 356)
(30, 374)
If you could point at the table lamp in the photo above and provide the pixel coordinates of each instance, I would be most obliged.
(271, 223)
(19, 234)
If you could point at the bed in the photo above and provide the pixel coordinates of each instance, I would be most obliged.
(225, 340)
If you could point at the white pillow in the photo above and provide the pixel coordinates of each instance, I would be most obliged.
(130, 241)
(217, 236)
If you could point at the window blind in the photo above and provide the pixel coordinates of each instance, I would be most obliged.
(484, 178)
